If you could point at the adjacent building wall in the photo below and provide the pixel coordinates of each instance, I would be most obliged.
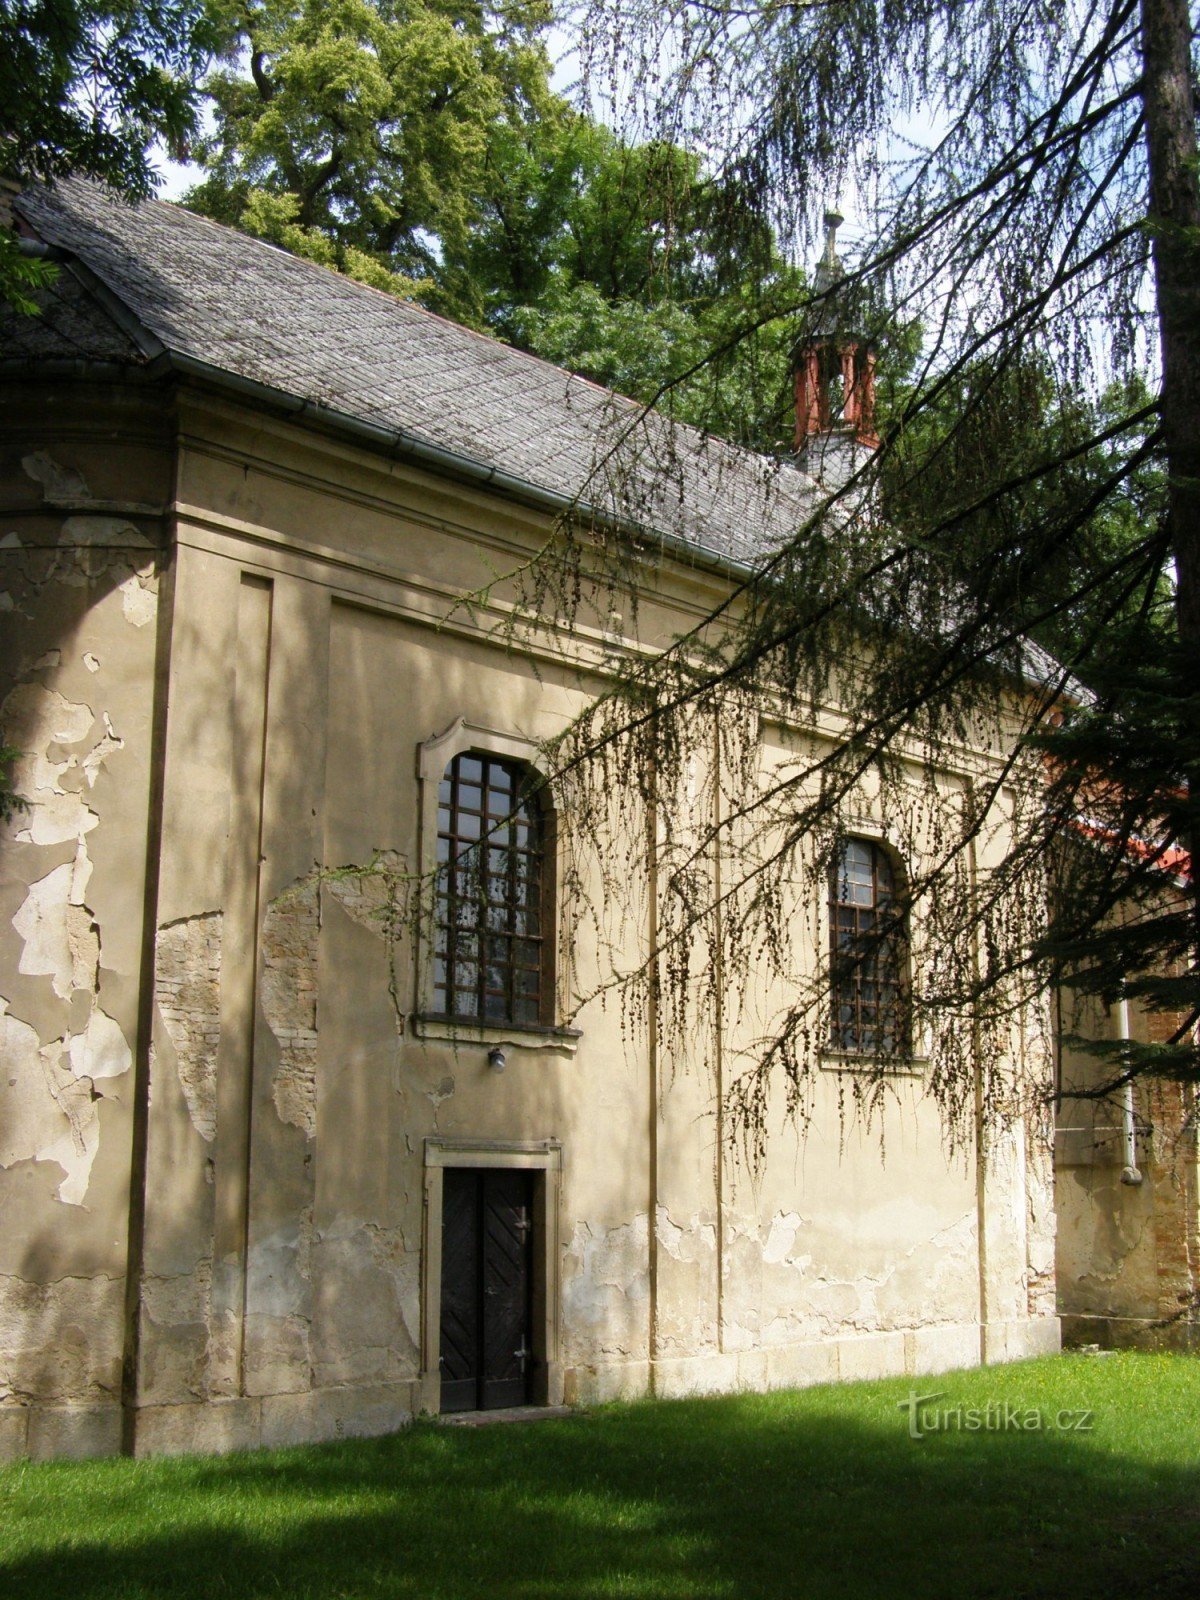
(1128, 1252)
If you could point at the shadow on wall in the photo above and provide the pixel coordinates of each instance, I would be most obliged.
(79, 589)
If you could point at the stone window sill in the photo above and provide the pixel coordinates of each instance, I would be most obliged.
(520, 1035)
(848, 1061)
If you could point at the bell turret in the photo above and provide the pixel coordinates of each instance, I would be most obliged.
(835, 383)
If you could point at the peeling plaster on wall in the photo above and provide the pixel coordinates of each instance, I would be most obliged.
(182, 1297)
(279, 1269)
(367, 1297)
(57, 819)
(60, 938)
(28, 1121)
(65, 1073)
(101, 542)
(37, 721)
(90, 661)
(187, 988)
(101, 1050)
(107, 746)
(58, 483)
(1125, 1236)
(88, 548)
(279, 1309)
(365, 895)
(103, 533)
(805, 1296)
(781, 1239)
(177, 1359)
(687, 1242)
(139, 598)
(75, 1150)
(1040, 1226)
(290, 938)
(605, 1286)
(52, 1089)
(687, 1304)
(443, 1091)
(291, 929)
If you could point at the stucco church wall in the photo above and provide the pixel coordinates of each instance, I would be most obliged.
(85, 478)
(296, 1101)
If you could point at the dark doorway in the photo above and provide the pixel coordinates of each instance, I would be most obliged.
(487, 1288)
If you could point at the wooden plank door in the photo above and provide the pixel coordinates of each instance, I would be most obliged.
(461, 1290)
(487, 1255)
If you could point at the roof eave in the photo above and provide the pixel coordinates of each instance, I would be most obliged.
(399, 444)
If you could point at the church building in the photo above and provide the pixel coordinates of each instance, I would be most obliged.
(274, 1165)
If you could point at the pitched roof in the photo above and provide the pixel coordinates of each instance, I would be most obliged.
(214, 296)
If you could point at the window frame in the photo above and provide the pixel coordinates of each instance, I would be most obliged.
(903, 1053)
(434, 757)
(537, 873)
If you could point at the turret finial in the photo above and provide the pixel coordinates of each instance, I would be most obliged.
(833, 221)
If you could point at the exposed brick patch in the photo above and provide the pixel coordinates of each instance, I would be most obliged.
(291, 930)
(188, 993)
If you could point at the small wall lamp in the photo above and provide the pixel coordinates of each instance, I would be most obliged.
(497, 1060)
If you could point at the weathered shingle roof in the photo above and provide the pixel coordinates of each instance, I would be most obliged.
(215, 296)
(70, 326)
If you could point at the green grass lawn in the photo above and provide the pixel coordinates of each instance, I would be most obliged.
(820, 1492)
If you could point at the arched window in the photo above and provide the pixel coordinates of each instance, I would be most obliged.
(868, 945)
(493, 923)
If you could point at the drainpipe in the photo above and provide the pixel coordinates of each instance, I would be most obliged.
(1129, 1173)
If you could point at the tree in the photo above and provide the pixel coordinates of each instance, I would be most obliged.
(358, 133)
(614, 259)
(1045, 240)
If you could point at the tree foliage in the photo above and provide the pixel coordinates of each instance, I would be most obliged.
(358, 132)
(626, 263)
(87, 86)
